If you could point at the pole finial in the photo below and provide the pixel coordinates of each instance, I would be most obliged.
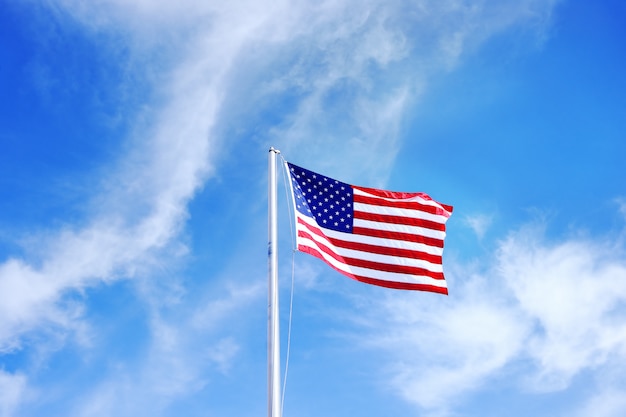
(272, 149)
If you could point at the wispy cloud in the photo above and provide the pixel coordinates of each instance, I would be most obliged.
(479, 223)
(621, 203)
(189, 345)
(559, 305)
(12, 391)
(142, 208)
(575, 292)
(377, 56)
(608, 402)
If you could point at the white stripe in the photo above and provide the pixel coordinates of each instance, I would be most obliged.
(372, 273)
(402, 228)
(374, 257)
(378, 241)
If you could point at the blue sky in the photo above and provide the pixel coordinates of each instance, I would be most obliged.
(133, 207)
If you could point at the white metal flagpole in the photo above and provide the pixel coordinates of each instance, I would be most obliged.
(273, 330)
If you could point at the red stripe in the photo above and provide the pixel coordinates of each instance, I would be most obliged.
(411, 205)
(408, 221)
(377, 249)
(378, 282)
(400, 196)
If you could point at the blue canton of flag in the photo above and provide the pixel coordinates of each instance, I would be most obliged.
(329, 201)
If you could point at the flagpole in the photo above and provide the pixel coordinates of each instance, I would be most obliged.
(273, 330)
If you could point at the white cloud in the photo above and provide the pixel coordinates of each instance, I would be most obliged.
(479, 223)
(446, 348)
(575, 293)
(557, 307)
(607, 403)
(358, 49)
(621, 202)
(12, 389)
(142, 209)
(190, 344)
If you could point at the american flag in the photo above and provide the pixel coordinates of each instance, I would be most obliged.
(379, 237)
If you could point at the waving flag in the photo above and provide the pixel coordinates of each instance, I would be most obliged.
(379, 237)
